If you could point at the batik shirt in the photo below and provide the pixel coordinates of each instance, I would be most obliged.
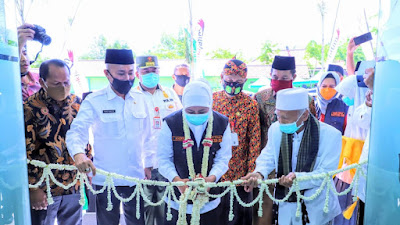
(46, 124)
(242, 112)
(266, 102)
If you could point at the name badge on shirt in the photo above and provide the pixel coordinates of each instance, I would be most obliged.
(109, 111)
(157, 122)
(235, 139)
(157, 119)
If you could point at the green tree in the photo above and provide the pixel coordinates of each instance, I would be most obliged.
(268, 51)
(341, 54)
(170, 47)
(39, 61)
(221, 53)
(313, 52)
(99, 47)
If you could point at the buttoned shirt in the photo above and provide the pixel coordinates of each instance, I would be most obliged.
(46, 125)
(121, 133)
(161, 103)
(327, 160)
(349, 88)
(166, 159)
(243, 115)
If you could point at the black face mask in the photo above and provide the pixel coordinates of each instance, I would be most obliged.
(122, 86)
(228, 87)
(24, 74)
(182, 80)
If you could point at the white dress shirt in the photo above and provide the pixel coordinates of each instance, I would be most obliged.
(121, 132)
(327, 160)
(167, 101)
(167, 166)
(349, 88)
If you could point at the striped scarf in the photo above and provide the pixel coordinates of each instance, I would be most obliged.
(305, 159)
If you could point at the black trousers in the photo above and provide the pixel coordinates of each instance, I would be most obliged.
(212, 217)
(242, 215)
(112, 217)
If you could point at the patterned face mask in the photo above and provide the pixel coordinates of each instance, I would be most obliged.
(232, 88)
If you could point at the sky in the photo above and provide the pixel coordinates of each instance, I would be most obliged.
(241, 26)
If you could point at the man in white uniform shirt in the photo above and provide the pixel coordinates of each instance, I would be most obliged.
(121, 127)
(299, 145)
(197, 103)
(161, 102)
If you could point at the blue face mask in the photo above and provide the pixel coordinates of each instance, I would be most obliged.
(150, 80)
(290, 128)
(197, 119)
(348, 101)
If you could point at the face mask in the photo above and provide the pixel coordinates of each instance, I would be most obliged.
(121, 86)
(150, 80)
(327, 93)
(228, 87)
(24, 74)
(182, 80)
(58, 93)
(348, 101)
(278, 85)
(197, 119)
(290, 128)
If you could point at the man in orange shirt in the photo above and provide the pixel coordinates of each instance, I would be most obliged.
(242, 112)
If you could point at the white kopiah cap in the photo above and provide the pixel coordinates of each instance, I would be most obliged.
(292, 99)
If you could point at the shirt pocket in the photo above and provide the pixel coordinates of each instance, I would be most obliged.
(138, 120)
(112, 125)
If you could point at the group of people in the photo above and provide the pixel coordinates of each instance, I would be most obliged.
(189, 132)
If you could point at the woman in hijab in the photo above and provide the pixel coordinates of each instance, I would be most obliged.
(195, 143)
(330, 108)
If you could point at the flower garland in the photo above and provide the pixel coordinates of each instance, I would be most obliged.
(207, 143)
(196, 185)
(198, 195)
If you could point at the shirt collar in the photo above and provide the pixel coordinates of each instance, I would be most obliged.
(298, 135)
(110, 93)
(198, 131)
(195, 128)
(140, 88)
